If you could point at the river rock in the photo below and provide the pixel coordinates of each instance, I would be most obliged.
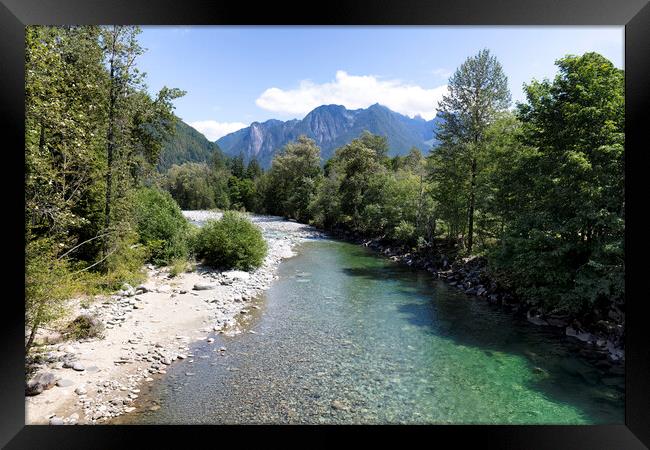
(204, 286)
(65, 383)
(339, 406)
(81, 390)
(145, 288)
(78, 367)
(236, 275)
(580, 335)
(40, 383)
(535, 319)
(56, 420)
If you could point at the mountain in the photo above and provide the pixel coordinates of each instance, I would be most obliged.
(331, 126)
(186, 145)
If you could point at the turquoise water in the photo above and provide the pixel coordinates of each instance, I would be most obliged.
(345, 336)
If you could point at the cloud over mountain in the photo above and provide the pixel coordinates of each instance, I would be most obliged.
(353, 92)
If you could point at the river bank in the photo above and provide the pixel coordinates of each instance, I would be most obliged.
(146, 329)
(470, 275)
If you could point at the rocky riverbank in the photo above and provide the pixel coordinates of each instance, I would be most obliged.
(145, 329)
(470, 275)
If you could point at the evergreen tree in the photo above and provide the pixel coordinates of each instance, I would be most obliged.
(478, 91)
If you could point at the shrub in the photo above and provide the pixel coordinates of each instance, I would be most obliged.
(85, 326)
(123, 265)
(178, 266)
(48, 283)
(161, 225)
(232, 242)
(405, 232)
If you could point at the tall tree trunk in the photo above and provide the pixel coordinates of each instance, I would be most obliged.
(470, 209)
(109, 150)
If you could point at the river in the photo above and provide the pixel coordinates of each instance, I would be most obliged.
(347, 336)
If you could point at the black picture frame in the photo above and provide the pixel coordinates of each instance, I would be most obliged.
(633, 14)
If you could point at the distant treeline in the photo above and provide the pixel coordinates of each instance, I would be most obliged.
(539, 190)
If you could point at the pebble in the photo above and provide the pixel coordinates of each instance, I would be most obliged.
(81, 390)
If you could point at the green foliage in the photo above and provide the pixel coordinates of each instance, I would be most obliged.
(243, 193)
(84, 327)
(253, 170)
(237, 166)
(293, 178)
(48, 283)
(564, 227)
(124, 263)
(178, 266)
(193, 187)
(232, 242)
(478, 93)
(405, 232)
(161, 225)
(187, 145)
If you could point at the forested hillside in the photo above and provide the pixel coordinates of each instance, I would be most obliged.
(186, 145)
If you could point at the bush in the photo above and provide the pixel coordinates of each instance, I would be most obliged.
(84, 327)
(48, 283)
(232, 242)
(405, 232)
(178, 266)
(161, 225)
(124, 265)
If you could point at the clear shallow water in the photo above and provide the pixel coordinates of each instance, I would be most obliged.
(345, 336)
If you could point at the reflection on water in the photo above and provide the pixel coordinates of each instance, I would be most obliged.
(345, 336)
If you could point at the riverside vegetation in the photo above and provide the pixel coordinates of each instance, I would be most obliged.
(527, 201)
(95, 211)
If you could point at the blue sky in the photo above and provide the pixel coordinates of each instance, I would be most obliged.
(236, 75)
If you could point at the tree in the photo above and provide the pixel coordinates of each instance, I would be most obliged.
(190, 184)
(253, 170)
(565, 237)
(137, 125)
(63, 128)
(121, 48)
(293, 178)
(478, 90)
(358, 164)
(237, 166)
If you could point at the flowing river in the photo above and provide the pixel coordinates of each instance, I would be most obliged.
(346, 336)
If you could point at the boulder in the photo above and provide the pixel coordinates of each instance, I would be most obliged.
(56, 421)
(40, 382)
(535, 319)
(580, 335)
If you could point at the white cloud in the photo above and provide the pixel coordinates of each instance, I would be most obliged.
(354, 92)
(213, 130)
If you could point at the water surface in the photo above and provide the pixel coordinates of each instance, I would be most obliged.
(346, 336)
